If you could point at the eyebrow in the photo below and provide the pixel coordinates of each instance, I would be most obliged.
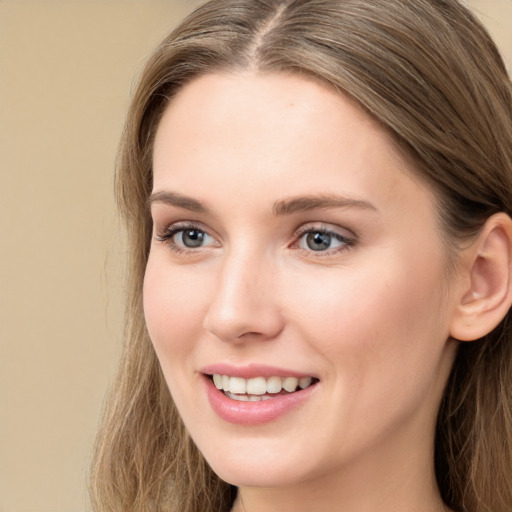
(179, 200)
(307, 203)
(280, 208)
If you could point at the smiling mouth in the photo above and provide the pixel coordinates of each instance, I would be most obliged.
(260, 388)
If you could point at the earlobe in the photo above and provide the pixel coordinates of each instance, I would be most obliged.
(487, 297)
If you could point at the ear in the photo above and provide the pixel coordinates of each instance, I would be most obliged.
(486, 295)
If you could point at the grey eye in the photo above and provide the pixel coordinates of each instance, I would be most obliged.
(321, 241)
(318, 241)
(191, 237)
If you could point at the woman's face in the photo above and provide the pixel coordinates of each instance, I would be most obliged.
(293, 247)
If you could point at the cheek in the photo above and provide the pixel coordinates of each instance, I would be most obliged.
(174, 312)
(383, 339)
(383, 317)
(173, 307)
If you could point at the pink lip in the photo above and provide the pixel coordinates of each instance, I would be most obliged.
(251, 370)
(254, 413)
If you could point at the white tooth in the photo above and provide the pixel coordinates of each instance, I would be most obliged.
(256, 386)
(225, 383)
(290, 384)
(305, 382)
(239, 398)
(274, 385)
(247, 398)
(237, 385)
(217, 380)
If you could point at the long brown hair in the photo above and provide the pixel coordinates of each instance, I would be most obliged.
(429, 73)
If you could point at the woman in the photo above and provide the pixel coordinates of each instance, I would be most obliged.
(317, 199)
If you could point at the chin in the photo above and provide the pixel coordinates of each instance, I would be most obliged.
(240, 475)
(257, 465)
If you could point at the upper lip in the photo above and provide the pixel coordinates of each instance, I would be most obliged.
(251, 370)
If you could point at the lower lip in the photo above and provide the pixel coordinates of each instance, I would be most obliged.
(254, 413)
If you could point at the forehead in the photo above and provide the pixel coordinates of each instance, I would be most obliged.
(231, 132)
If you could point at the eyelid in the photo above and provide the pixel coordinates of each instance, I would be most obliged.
(179, 225)
(323, 227)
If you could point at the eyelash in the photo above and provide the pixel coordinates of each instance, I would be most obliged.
(166, 237)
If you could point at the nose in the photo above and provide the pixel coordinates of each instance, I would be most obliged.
(245, 305)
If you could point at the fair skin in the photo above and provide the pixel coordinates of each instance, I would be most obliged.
(346, 286)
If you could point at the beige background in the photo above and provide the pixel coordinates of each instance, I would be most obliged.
(65, 74)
